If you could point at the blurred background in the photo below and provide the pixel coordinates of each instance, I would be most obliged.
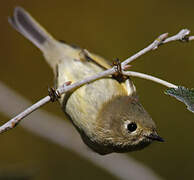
(112, 29)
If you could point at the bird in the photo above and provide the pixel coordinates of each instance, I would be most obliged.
(106, 112)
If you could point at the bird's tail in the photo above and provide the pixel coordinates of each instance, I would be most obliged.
(24, 23)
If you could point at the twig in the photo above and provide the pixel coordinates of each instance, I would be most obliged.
(62, 133)
(15, 121)
(152, 46)
(63, 89)
(181, 36)
(162, 39)
(149, 77)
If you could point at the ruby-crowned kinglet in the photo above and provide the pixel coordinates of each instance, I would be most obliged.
(106, 112)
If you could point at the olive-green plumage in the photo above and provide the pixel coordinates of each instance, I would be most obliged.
(106, 113)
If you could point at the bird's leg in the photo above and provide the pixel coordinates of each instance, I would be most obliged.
(118, 75)
(54, 94)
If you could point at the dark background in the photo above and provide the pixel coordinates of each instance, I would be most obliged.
(112, 29)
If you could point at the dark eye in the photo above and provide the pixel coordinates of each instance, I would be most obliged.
(132, 127)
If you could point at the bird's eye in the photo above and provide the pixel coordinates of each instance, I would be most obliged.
(131, 127)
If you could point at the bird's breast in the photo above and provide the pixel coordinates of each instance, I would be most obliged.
(84, 104)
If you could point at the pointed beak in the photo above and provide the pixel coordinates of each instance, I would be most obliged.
(155, 137)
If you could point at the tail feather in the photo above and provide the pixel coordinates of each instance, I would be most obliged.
(26, 25)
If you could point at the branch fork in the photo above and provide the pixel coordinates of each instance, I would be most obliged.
(54, 94)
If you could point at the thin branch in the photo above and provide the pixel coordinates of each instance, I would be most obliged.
(181, 36)
(63, 89)
(15, 121)
(149, 77)
(190, 38)
(152, 46)
(62, 133)
(162, 39)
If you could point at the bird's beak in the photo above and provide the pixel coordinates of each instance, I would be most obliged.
(155, 137)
